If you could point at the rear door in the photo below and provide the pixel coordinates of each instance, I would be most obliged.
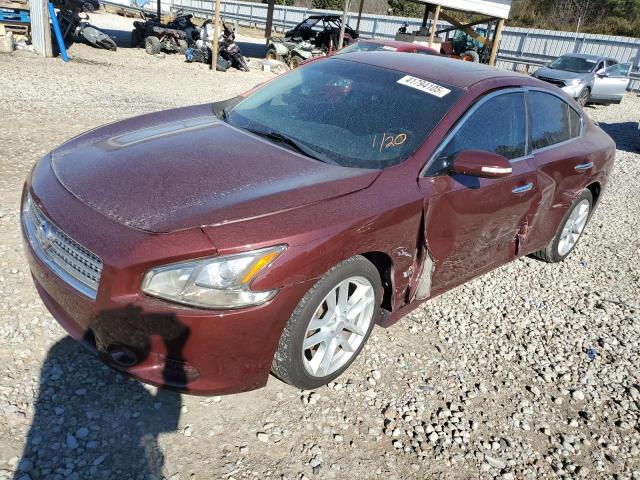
(611, 86)
(473, 225)
(561, 158)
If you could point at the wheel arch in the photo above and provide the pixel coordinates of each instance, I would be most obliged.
(384, 264)
(595, 188)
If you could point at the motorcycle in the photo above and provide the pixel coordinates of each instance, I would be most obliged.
(73, 26)
(229, 54)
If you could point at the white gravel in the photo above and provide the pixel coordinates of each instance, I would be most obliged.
(528, 372)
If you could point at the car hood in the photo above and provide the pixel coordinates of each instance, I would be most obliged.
(184, 168)
(559, 74)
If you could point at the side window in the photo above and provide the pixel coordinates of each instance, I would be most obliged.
(550, 120)
(599, 67)
(619, 70)
(497, 126)
(575, 123)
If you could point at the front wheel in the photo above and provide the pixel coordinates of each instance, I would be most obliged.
(583, 98)
(330, 325)
(570, 230)
(295, 61)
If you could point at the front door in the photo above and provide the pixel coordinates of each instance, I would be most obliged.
(611, 86)
(474, 224)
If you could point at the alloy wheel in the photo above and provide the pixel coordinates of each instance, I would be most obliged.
(338, 326)
(573, 227)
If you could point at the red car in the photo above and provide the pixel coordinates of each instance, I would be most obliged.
(388, 46)
(203, 247)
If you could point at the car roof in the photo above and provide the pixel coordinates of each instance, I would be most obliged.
(395, 43)
(584, 55)
(456, 73)
(329, 17)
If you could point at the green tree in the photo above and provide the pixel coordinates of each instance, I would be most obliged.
(328, 4)
(403, 8)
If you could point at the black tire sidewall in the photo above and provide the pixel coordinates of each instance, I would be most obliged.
(554, 254)
(298, 323)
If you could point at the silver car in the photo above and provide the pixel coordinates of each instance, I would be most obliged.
(588, 78)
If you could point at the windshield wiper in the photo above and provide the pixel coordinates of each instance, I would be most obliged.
(295, 144)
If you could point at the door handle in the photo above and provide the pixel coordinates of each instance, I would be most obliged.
(583, 166)
(523, 188)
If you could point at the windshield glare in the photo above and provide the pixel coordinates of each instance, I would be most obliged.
(353, 114)
(573, 64)
(365, 47)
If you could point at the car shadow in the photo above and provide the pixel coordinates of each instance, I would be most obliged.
(253, 50)
(121, 37)
(625, 134)
(91, 421)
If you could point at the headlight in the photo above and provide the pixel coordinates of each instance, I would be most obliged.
(573, 82)
(220, 282)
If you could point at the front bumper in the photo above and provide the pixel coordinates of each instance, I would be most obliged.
(164, 344)
(574, 90)
(189, 350)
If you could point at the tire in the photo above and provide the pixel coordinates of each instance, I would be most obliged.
(242, 63)
(470, 56)
(272, 54)
(183, 45)
(295, 61)
(152, 45)
(583, 98)
(108, 44)
(293, 363)
(556, 251)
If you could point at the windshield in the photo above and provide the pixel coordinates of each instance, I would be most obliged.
(573, 64)
(365, 47)
(349, 113)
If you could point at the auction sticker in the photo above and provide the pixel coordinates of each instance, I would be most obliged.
(424, 86)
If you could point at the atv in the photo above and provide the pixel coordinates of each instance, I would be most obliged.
(315, 36)
(175, 36)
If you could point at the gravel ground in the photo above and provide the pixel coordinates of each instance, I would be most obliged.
(528, 372)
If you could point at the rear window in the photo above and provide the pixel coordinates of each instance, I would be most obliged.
(349, 113)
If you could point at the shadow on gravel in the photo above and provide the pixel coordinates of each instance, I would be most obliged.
(253, 50)
(93, 422)
(625, 134)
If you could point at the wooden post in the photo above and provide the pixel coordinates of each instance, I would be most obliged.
(496, 42)
(344, 23)
(359, 16)
(216, 34)
(269, 25)
(159, 11)
(434, 25)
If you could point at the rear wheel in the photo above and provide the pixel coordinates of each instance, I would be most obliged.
(470, 56)
(570, 230)
(330, 325)
(152, 45)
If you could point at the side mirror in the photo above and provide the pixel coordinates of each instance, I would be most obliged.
(479, 163)
(602, 72)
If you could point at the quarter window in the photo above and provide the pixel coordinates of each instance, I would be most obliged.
(497, 126)
(551, 120)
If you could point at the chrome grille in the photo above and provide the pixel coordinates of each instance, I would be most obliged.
(76, 265)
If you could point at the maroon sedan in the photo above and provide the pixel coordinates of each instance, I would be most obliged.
(202, 248)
